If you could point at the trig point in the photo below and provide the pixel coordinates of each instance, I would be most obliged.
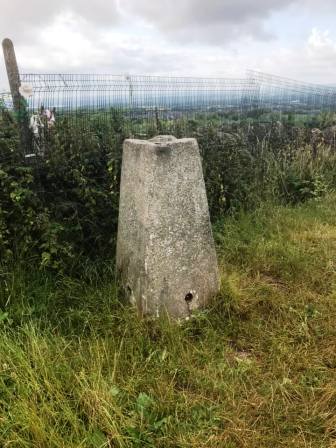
(165, 251)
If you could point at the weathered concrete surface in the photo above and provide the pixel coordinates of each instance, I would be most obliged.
(165, 250)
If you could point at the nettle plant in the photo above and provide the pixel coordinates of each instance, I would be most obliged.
(64, 205)
(61, 209)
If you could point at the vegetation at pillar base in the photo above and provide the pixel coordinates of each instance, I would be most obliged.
(257, 369)
(61, 206)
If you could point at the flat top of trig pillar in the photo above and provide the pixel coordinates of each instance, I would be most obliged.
(163, 139)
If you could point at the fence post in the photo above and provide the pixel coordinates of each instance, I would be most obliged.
(19, 103)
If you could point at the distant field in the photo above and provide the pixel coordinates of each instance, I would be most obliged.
(258, 369)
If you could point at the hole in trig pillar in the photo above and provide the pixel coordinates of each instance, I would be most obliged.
(189, 297)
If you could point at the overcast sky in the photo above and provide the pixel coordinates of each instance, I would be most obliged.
(294, 38)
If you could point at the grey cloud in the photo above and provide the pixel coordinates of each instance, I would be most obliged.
(193, 20)
(190, 23)
(174, 13)
(207, 20)
(190, 20)
(21, 19)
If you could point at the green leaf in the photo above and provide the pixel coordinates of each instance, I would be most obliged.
(143, 402)
(3, 317)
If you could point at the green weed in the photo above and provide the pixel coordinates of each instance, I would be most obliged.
(255, 369)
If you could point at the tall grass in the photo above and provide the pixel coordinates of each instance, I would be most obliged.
(256, 369)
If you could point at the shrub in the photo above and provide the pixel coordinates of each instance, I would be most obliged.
(62, 208)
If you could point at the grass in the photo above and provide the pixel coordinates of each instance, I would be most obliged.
(257, 369)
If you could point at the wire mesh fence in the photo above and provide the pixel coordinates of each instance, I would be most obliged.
(283, 96)
(258, 139)
(144, 102)
(6, 101)
(148, 105)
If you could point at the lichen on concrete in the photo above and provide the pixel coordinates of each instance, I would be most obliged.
(165, 250)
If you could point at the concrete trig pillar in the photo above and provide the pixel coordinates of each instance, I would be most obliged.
(165, 250)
